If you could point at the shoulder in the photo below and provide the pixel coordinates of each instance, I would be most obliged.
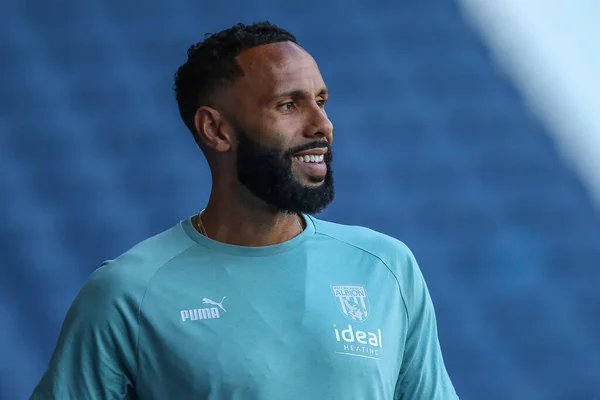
(389, 250)
(102, 324)
(394, 254)
(131, 272)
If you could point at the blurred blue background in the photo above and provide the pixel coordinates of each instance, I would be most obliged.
(433, 146)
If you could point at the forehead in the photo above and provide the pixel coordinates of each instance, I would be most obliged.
(276, 67)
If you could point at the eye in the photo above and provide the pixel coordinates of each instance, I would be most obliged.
(321, 102)
(290, 105)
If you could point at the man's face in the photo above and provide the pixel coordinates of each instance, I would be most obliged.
(283, 134)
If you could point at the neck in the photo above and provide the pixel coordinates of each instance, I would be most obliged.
(237, 221)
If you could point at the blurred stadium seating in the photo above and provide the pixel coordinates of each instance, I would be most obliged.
(433, 146)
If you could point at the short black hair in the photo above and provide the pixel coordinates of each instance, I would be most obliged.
(212, 62)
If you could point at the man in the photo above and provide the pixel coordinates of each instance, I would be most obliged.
(254, 298)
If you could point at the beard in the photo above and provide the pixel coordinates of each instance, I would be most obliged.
(267, 173)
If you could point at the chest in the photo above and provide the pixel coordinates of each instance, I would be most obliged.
(272, 330)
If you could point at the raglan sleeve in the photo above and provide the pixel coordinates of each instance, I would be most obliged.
(94, 357)
(423, 374)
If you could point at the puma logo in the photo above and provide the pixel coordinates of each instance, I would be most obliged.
(214, 303)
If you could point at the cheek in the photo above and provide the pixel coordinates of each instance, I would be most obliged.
(276, 131)
(276, 137)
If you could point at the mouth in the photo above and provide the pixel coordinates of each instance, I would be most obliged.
(316, 155)
(310, 158)
(311, 163)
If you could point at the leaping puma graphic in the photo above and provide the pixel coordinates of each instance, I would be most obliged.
(214, 303)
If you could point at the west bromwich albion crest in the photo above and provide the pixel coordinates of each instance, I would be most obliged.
(352, 300)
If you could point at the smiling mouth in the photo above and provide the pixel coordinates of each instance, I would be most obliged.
(311, 168)
(311, 158)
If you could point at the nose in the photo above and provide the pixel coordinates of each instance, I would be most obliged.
(321, 126)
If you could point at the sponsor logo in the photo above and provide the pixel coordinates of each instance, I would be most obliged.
(359, 343)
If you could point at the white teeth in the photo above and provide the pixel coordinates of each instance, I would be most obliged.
(310, 158)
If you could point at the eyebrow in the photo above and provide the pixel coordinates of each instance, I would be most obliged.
(299, 93)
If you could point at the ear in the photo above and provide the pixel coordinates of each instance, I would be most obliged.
(209, 125)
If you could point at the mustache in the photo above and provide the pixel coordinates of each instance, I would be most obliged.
(309, 146)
